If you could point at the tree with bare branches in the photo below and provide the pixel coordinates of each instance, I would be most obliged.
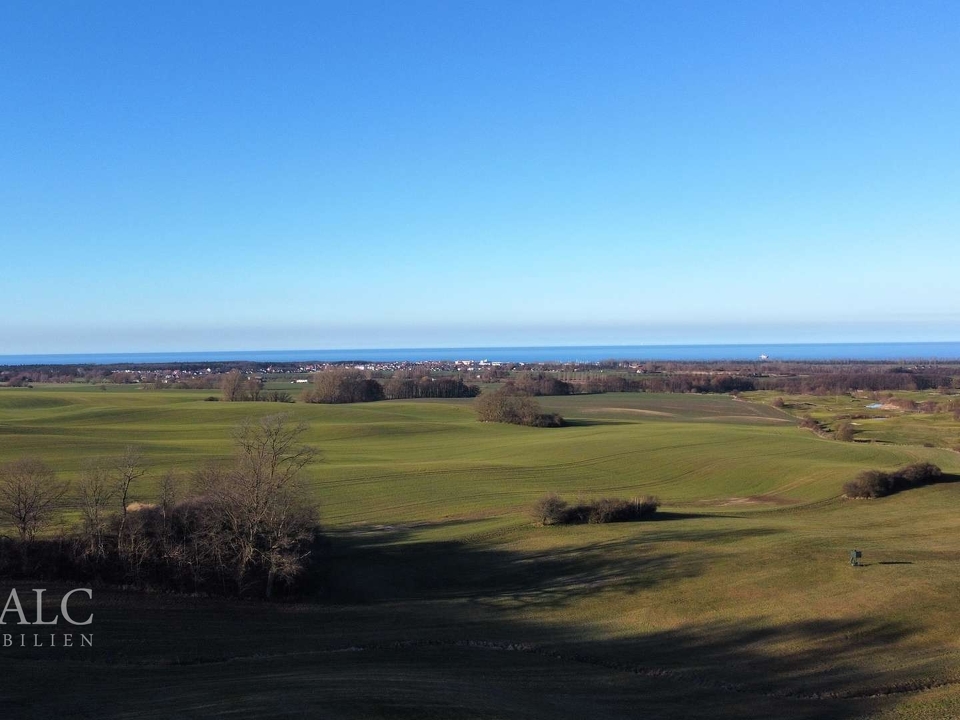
(29, 492)
(96, 490)
(259, 504)
(129, 468)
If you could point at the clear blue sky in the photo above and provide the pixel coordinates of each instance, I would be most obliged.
(219, 175)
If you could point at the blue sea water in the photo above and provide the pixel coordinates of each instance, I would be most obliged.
(897, 351)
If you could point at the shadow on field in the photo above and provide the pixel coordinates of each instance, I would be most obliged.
(446, 659)
(667, 516)
(408, 628)
(363, 568)
(584, 422)
(815, 669)
(716, 536)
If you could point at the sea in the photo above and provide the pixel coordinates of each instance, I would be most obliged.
(915, 352)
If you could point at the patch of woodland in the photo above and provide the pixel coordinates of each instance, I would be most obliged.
(240, 528)
(502, 406)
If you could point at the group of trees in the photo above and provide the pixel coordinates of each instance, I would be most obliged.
(342, 385)
(241, 527)
(503, 407)
(535, 384)
(347, 385)
(237, 387)
(820, 382)
(553, 510)
(406, 386)
(876, 483)
(792, 378)
(539, 384)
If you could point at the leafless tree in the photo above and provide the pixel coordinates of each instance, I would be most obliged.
(29, 492)
(261, 517)
(129, 468)
(96, 492)
(252, 389)
(231, 386)
(170, 485)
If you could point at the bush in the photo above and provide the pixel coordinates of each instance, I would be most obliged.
(916, 475)
(868, 484)
(276, 396)
(808, 423)
(875, 483)
(551, 510)
(844, 431)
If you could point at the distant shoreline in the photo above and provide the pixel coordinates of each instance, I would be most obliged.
(773, 352)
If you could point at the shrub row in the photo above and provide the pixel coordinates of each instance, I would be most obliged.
(553, 510)
(875, 483)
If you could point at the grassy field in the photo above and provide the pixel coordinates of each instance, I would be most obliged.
(885, 424)
(443, 600)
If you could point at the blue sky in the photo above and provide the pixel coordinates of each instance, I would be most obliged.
(213, 175)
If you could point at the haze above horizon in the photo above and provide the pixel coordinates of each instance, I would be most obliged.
(426, 174)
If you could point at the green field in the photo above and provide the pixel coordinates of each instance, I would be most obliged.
(443, 600)
(886, 424)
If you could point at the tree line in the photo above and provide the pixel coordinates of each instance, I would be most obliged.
(244, 527)
(817, 381)
(343, 385)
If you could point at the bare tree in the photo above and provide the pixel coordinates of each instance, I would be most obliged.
(170, 483)
(29, 492)
(169, 489)
(261, 511)
(129, 468)
(252, 389)
(232, 386)
(96, 492)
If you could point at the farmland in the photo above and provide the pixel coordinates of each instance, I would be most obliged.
(441, 598)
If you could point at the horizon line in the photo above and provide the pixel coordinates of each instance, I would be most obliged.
(305, 354)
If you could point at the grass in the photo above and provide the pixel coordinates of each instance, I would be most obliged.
(441, 599)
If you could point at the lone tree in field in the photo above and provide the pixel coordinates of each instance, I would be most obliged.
(29, 492)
